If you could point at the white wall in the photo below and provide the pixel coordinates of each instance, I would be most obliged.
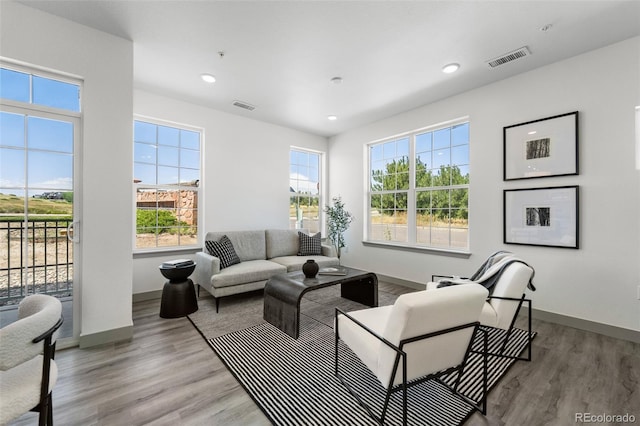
(599, 281)
(106, 65)
(245, 172)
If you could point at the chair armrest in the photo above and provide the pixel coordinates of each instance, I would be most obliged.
(206, 267)
(48, 333)
(365, 328)
(515, 299)
(17, 347)
(329, 250)
(434, 276)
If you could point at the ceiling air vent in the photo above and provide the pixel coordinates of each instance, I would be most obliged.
(508, 57)
(244, 105)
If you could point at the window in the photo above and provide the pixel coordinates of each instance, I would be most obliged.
(419, 188)
(304, 190)
(34, 89)
(166, 172)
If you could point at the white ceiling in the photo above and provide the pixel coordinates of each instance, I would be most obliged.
(280, 56)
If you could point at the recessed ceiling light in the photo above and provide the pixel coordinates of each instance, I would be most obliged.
(208, 78)
(336, 80)
(449, 68)
(332, 117)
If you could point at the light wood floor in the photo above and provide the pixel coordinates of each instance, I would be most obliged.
(168, 375)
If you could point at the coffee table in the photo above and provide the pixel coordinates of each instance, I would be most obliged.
(283, 292)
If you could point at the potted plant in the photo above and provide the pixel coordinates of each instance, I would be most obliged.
(338, 220)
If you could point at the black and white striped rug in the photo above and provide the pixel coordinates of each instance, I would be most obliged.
(293, 381)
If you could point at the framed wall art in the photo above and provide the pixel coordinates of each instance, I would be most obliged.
(541, 216)
(541, 148)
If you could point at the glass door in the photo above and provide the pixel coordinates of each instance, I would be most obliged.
(37, 207)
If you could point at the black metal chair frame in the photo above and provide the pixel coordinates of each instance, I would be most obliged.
(512, 325)
(45, 406)
(402, 356)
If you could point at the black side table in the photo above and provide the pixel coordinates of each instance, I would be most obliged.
(178, 293)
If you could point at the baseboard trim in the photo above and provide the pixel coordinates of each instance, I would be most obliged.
(586, 325)
(149, 295)
(580, 324)
(400, 281)
(109, 336)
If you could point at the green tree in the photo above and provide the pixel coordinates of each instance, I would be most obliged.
(155, 221)
(68, 197)
(396, 177)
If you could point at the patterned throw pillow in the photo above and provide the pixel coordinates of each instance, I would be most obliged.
(223, 250)
(310, 245)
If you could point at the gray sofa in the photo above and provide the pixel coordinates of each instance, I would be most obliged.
(262, 253)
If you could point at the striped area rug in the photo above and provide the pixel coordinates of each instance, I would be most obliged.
(293, 381)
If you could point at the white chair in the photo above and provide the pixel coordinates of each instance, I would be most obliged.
(423, 336)
(507, 278)
(27, 370)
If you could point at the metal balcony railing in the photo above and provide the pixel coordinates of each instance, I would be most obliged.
(37, 257)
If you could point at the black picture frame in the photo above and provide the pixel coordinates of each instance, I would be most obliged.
(541, 148)
(547, 217)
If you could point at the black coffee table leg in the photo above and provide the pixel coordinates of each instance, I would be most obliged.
(362, 290)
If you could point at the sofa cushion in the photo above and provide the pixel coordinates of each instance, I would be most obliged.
(224, 251)
(282, 242)
(294, 263)
(310, 245)
(249, 245)
(246, 272)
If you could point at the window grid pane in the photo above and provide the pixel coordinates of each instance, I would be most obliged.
(15, 86)
(56, 94)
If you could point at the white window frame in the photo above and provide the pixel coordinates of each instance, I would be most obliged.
(321, 180)
(199, 189)
(411, 242)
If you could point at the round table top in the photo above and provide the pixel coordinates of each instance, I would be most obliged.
(179, 273)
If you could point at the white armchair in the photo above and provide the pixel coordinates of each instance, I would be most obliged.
(422, 336)
(27, 370)
(507, 277)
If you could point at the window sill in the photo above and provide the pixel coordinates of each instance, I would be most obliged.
(164, 251)
(418, 249)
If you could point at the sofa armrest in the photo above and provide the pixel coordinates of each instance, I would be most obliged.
(206, 267)
(329, 250)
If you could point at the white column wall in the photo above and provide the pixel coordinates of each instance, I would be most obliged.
(245, 172)
(599, 282)
(105, 63)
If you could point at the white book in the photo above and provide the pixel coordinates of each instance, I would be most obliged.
(178, 263)
(332, 270)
